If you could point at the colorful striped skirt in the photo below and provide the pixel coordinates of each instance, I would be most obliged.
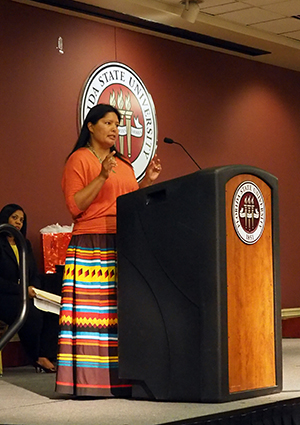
(87, 362)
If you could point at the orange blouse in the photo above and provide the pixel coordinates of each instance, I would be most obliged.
(100, 217)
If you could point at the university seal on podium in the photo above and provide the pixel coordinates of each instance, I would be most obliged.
(118, 85)
(248, 212)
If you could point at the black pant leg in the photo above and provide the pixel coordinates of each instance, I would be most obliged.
(30, 332)
(49, 336)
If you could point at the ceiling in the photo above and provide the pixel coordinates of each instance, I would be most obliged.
(263, 30)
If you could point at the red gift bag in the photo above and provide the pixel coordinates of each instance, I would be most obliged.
(54, 250)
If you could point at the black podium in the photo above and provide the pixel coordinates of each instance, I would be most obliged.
(199, 287)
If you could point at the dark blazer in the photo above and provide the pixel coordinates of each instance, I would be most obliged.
(9, 268)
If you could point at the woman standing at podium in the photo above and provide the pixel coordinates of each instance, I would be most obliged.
(94, 176)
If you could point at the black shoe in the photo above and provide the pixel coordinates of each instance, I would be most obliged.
(41, 369)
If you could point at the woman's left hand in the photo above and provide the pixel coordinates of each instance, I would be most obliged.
(154, 168)
(31, 292)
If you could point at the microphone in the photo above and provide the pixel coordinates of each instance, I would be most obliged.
(170, 141)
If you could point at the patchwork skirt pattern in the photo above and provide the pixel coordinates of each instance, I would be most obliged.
(87, 359)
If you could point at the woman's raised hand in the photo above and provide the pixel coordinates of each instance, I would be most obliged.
(108, 164)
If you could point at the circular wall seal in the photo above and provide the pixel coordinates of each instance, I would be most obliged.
(248, 212)
(118, 85)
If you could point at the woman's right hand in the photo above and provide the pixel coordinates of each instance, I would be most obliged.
(108, 165)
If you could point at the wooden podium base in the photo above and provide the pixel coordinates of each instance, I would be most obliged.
(250, 298)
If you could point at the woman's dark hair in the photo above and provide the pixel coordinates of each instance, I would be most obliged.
(8, 210)
(93, 116)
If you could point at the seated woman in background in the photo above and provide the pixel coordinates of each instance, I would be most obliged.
(36, 340)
